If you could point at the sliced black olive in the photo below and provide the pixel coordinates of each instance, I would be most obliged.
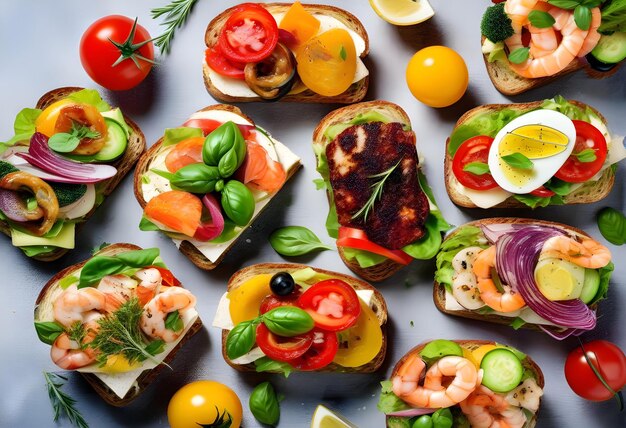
(282, 284)
(598, 65)
(273, 77)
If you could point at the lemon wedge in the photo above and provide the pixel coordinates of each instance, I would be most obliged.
(118, 364)
(325, 418)
(403, 12)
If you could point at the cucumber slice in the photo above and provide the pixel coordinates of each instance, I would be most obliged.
(590, 285)
(611, 49)
(502, 370)
(115, 145)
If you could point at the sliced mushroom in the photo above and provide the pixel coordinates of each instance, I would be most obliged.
(273, 77)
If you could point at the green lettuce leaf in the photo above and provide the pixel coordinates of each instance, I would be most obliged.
(560, 104)
(90, 96)
(23, 126)
(605, 275)
(388, 401)
(176, 135)
(465, 236)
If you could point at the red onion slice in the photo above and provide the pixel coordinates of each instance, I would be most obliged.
(208, 231)
(12, 206)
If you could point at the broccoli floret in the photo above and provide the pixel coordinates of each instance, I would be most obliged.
(6, 168)
(496, 24)
(68, 193)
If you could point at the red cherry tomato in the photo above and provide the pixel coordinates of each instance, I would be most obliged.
(587, 137)
(167, 277)
(475, 149)
(250, 34)
(542, 192)
(210, 125)
(272, 301)
(332, 303)
(281, 348)
(221, 65)
(110, 39)
(321, 353)
(610, 362)
(356, 238)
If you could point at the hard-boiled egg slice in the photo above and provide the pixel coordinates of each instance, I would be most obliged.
(545, 137)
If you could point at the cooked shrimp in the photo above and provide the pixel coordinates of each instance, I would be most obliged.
(518, 11)
(119, 287)
(75, 304)
(433, 394)
(592, 36)
(486, 409)
(543, 41)
(149, 285)
(157, 309)
(508, 301)
(588, 253)
(71, 355)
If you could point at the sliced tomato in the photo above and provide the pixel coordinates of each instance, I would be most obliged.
(176, 210)
(167, 277)
(221, 65)
(333, 304)
(272, 301)
(542, 192)
(475, 149)
(357, 239)
(259, 171)
(185, 153)
(320, 354)
(588, 137)
(301, 24)
(210, 125)
(282, 348)
(250, 34)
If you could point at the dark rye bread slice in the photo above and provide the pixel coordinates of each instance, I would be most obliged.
(527, 363)
(147, 376)
(384, 270)
(136, 146)
(508, 82)
(187, 248)
(355, 93)
(439, 290)
(378, 305)
(590, 192)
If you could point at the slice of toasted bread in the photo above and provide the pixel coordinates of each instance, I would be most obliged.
(590, 192)
(136, 146)
(355, 93)
(51, 290)
(187, 248)
(378, 305)
(439, 290)
(508, 82)
(386, 269)
(527, 363)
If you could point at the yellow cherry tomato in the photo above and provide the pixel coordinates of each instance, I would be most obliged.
(119, 364)
(470, 356)
(361, 343)
(437, 76)
(300, 23)
(480, 352)
(203, 403)
(327, 63)
(246, 299)
(48, 118)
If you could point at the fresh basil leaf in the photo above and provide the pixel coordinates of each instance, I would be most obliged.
(147, 226)
(428, 245)
(155, 347)
(48, 331)
(612, 225)
(288, 321)
(238, 202)
(565, 4)
(174, 322)
(582, 17)
(559, 187)
(230, 231)
(225, 148)
(264, 404)
(98, 267)
(342, 53)
(586, 156)
(266, 364)
(518, 160)
(295, 241)
(194, 178)
(541, 19)
(63, 142)
(176, 135)
(240, 339)
(519, 55)
(477, 168)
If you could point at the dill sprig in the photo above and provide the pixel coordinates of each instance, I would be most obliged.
(77, 333)
(61, 401)
(377, 192)
(176, 13)
(120, 333)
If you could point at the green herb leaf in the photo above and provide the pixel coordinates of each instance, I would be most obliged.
(67, 281)
(225, 148)
(559, 187)
(442, 418)
(541, 19)
(295, 241)
(288, 321)
(518, 160)
(100, 266)
(237, 202)
(194, 178)
(517, 323)
(612, 225)
(264, 404)
(477, 168)
(266, 364)
(147, 226)
(174, 322)
(565, 4)
(582, 17)
(176, 135)
(77, 333)
(342, 53)
(586, 156)
(62, 402)
(519, 55)
(377, 191)
(240, 339)
(48, 331)
(65, 142)
(320, 184)
(99, 247)
(175, 13)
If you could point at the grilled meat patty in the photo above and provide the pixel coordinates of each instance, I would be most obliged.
(355, 158)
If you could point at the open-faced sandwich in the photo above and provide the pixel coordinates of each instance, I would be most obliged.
(67, 155)
(280, 318)
(528, 43)
(382, 212)
(117, 319)
(204, 182)
(521, 272)
(463, 383)
(288, 52)
(550, 152)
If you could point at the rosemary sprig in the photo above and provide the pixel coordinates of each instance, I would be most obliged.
(176, 13)
(377, 191)
(61, 401)
(77, 333)
(120, 333)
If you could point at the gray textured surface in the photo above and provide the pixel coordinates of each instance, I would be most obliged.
(39, 51)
